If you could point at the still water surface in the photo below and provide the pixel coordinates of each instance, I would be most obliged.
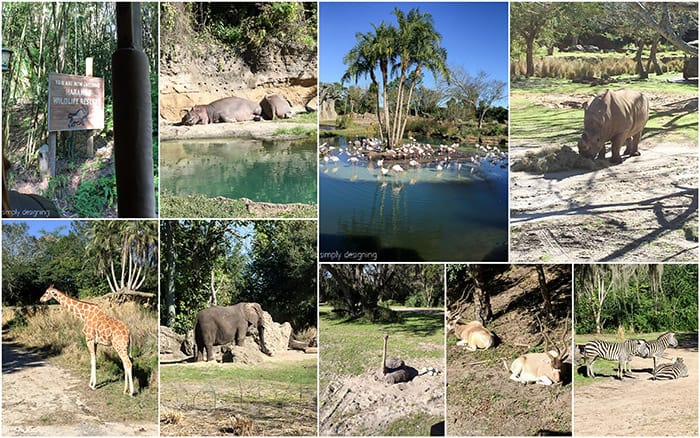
(459, 213)
(279, 171)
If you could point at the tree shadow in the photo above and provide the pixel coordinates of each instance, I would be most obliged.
(655, 204)
(17, 358)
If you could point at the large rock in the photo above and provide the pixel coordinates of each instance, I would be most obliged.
(171, 345)
(327, 110)
(277, 335)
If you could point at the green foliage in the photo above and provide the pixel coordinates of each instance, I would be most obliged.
(356, 290)
(269, 262)
(297, 131)
(344, 122)
(93, 196)
(255, 28)
(194, 206)
(283, 271)
(635, 305)
(57, 37)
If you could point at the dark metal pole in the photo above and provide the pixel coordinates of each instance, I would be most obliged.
(131, 97)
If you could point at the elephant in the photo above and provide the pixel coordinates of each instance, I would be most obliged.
(218, 325)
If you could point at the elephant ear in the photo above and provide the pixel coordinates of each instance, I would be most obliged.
(253, 312)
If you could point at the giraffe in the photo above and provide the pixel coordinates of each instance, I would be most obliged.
(98, 328)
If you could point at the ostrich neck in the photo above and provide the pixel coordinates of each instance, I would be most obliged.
(384, 358)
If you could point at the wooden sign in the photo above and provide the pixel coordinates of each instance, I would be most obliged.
(75, 102)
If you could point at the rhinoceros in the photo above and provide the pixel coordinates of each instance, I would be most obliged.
(228, 109)
(618, 116)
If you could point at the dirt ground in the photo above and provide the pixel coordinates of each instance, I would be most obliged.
(42, 399)
(643, 209)
(212, 409)
(260, 130)
(361, 404)
(638, 406)
(481, 398)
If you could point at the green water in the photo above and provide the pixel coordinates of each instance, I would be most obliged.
(264, 171)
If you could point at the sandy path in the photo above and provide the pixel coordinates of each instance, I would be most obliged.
(41, 399)
(640, 407)
(640, 210)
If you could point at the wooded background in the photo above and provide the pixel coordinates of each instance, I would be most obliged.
(90, 258)
(272, 263)
(367, 290)
(635, 298)
(635, 31)
(56, 37)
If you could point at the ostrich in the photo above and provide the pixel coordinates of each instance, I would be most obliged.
(395, 370)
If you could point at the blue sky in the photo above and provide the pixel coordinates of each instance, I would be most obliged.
(37, 226)
(475, 35)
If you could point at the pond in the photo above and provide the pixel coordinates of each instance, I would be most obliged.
(263, 171)
(435, 210)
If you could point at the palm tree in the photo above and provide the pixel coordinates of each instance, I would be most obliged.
(373, 50)
(132, 246)
(419, 47)
(415, 44)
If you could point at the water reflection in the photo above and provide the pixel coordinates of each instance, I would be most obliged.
(279, 171)
(452, 209)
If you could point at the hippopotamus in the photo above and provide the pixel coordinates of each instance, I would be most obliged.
(615, 116)
(275, 106)
(228, 109)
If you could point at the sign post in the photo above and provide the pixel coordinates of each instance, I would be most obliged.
(76, 103)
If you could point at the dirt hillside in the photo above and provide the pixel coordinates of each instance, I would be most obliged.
(196, 69)
(481, 398)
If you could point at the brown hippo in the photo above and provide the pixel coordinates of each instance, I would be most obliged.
(228, 109)
(615, 116)
(275, 106)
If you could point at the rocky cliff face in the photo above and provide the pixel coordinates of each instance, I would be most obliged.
(197, 70)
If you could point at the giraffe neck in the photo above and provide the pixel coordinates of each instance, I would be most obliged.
(76, 307)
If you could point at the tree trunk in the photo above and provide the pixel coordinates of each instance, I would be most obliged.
(529, 57)
(482, 301)
(170, 272)
(653, 61)
(544, 290)
(212, 289)
(638, 59)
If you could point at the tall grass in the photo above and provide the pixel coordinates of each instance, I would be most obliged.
(573, 68)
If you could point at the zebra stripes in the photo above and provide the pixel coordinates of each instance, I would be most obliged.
(659, 346)
(621, 352)
(670, 371)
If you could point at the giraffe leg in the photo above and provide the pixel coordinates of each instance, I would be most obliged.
(128, 375)
(92, 346)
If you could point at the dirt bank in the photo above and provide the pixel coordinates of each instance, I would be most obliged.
(263, 130)
(363, 405)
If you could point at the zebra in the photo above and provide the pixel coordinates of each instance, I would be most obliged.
(621, 352)
(657, 347)
(670, 371)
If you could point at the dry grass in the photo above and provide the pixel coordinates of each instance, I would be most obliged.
(556, 159)
(576, 68)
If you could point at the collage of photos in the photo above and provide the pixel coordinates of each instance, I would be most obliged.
(321, 218)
